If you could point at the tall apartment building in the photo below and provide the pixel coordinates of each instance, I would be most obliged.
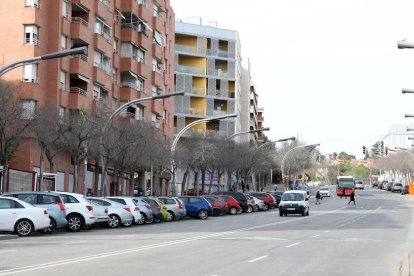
(130, 55)
(208, 69)
(254, 113)
(245, 99)
(260, 120)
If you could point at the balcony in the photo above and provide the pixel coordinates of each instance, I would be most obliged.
(198, 91)
(219, 112)
(80, 29)
(79, 64)
(190, 69)
(197, 111)
(157, 51)
(85, 3)
(157, 106)
(133, 85)
(158, 23)
(221, 73)
(103, 44)
(157, 79)
(185, 49)
(79, 91)
(130, 64)
(78, 98)
(129, 5)
(104, 10)
(102, 76)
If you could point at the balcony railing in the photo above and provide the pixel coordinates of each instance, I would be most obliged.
(198, 91)
(32, 3)
(137, 27)
(80, 20)
(190, 69)
(63, 86)
(219, 112)
(138, 87)
(197, 111)
(185, 48)
(221, 73)
(155, 124)
(33, 41)
(33, 80)
(104, 67)
(82, 57)
(222, 53)
(79, 91)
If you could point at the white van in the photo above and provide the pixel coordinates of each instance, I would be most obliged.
(359, 184)
(294, 202)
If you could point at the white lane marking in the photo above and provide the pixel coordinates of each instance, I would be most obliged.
(255, 239)
(217, 223)
(5, 251)
(147, 247)
(315, 236)
(292, 245)
(257, 259)
(162, 231)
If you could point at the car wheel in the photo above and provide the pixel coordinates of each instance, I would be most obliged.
(304, 212)
(24, 228)
(143, 219)
(249, 209)
(233, 211)
(256, 208)
(51, 228)
(170, 216)
(265, 207)
(202, 214)
(114, 221)
(128, 224)
(75, 223)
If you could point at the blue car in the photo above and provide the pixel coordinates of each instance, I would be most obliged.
(197, 207)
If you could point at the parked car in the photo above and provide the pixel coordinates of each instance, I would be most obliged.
(197, 206)
(219, 207)
(268, 199)
(174, 206)
(165, 215)
(294, 202)
(259, 204)
(381, 184)
(375, 184)
(51, 201)
(359, 184)
(133, 205)
(101, 215)
(233, 205)
(278, 196)
(397, 187)
(241, 199)
(79, 211)
(405, 190)
(21, 217)
(389, 186)
(119, 214)
(324, 191)
(250, 203)
(146, 210)
(155, 208)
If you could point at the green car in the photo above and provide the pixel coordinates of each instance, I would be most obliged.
(166, 215)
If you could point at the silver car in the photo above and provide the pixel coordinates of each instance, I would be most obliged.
(135, 209)
(259, 204)
(175, 207)
(145, 209)
(118, 213)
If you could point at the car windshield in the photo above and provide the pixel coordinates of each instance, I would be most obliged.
(292, 197)
(398, 184)
(324, 188)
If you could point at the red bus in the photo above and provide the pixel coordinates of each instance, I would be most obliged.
(345, 183)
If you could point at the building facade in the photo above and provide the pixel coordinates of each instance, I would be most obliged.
(254, 113)
(207, 69)
(130, 55)
(397, 137)
(260, 123)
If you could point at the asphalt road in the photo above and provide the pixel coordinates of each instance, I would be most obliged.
(373, 237)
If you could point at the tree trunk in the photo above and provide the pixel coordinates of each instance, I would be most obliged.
(183, 183)
(123, 187)
(42, 151)
(203, 181)
(219, 175)
(96, 180)
(75, 177)
(211, 181)
(115, 181)
(196, 184)
(229, 185)
(4, 176)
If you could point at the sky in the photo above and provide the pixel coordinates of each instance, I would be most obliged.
(328, 71)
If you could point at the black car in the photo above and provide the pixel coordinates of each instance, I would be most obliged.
(277, 196)
(155, 208)
(241, 199)
(405, 190)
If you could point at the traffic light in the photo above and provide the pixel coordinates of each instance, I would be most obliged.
(386, 150)
(364, 150)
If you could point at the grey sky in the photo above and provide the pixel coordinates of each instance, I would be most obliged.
(327, 70)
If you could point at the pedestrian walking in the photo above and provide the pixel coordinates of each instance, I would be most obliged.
(352, 197)
(248, 187)
(318, 198)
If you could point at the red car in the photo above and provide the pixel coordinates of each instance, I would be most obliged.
(219, 208)
(268, 199)
(232, 204)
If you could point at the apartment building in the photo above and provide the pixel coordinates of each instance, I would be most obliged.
(260, 120)
(208, 69)
(130, 55)
(253, 113)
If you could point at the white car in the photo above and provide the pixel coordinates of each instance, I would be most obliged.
(117, 212)
(324, 191)
(359, 184)
(22, 218)
(100, 212)
(135, 211)
(294, 202)
(79, 211)
(259, 205)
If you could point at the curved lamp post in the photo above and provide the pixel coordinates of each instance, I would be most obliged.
(249, 131)
(282, 165)
(174, 145)
(107, 124)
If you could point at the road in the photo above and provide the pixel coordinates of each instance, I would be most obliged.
(373, 237)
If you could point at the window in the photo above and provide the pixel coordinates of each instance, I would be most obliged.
(63, 42)
(139, 115)
(65, 8)
(158, 38)
(122, 201)
(29, 107)
(61, 114)
(62, 84)
(100, 94)
(31, 34)
(195, 200)
(103, 29)
(114, 104)
(29, 198)
(32, 3)
(128, 50)
(156, 10)
(30, 73)
(114, 76)
(155, 67)
(154, 117)
(154, 90)
(101, 61)
(115, 46)
(48, 199)
(9, 204)
(68, 199)
(142, 2)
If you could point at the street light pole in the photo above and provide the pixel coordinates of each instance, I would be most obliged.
(250, 131)
(70, 52)
(182, 131)
(107, 124)
(282, 166)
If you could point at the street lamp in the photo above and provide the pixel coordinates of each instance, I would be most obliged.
(402, 44)
(250, 131)
(70, 52)
(113, 115)
(407, 91)
(175, 142)
(409, 116)
(311, 147)
(276, 141)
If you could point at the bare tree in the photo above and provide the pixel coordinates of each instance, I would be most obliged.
(13, 124)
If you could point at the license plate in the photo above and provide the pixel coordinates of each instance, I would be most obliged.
(291, 209)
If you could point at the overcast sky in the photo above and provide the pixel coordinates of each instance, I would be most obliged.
(328, 71)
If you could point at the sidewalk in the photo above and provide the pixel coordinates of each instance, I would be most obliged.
(5, 237)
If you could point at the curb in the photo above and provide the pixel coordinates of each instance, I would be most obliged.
(8, 237)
